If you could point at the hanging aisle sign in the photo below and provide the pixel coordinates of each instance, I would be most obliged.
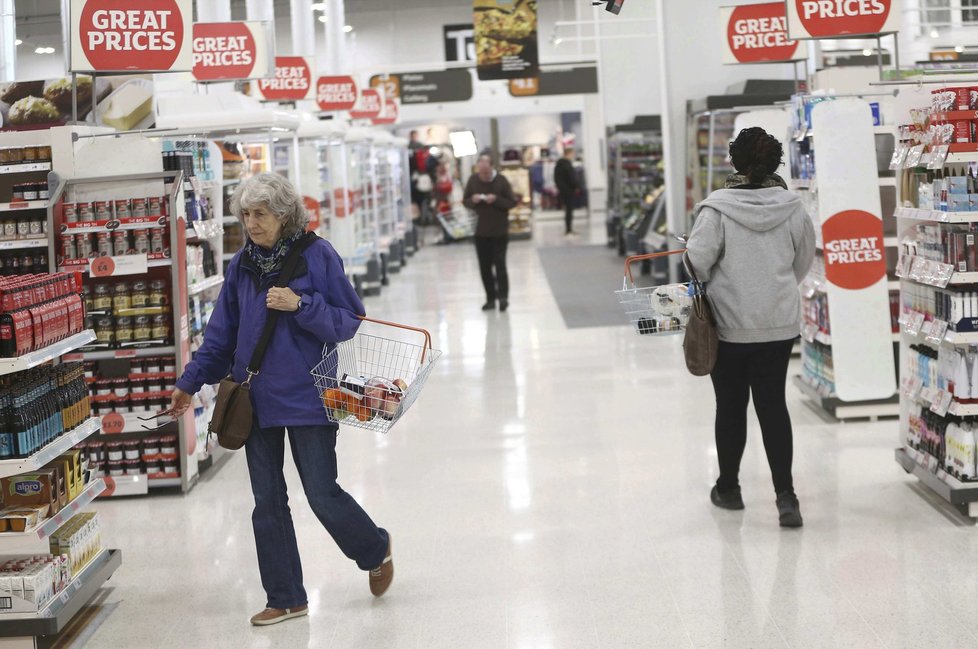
(389, 114)
(757, 34)
(506, 39)
(293, 80)
(336, 93)
(231, 51)
(809, 19)
(144, 36)
(853, 251)
(368, 106)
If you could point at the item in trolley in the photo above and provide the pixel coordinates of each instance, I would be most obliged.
(364, 398)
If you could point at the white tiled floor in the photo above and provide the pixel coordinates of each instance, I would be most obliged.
(550, 490)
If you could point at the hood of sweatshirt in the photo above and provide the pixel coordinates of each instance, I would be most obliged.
(757, 209)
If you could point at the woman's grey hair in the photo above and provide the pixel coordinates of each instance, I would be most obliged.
(277, 195)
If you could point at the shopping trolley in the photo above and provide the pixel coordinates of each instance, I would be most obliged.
(655, 310)
(370, 381)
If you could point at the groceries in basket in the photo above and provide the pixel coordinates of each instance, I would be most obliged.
(364, 398)
(669, 308)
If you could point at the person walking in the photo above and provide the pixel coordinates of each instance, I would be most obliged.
(318, 307)
(490, 195)
(752, 244)
(565, 178)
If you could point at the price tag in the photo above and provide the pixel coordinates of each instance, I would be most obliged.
(113, 423)
(941, 403)
(938, 156)
(120, 265)
(65, 596)
(937, 332)
(913, 156)
(931, 463)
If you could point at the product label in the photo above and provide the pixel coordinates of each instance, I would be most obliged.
(336, 93)
(833, 18)
(117, 35)
(854, 253)
(26, 487)
(757, 33)
(368, 106)
(292, 82)
(224, 51)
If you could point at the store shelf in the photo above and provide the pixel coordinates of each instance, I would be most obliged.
(21, 244)
(839, 409)
(961, 338)
(51, 451)
(11, 365)
(46, 527)
(136, 352)
(135, 223)
(59, 612)
(935, 215)
(25, 167)
(163, 483)
(23, 205)
(947, 487)
(205, 284)
(963, 409)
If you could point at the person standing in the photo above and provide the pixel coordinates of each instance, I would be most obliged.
(318, 307)
(490, 195)
(565, 178)
(753, 243)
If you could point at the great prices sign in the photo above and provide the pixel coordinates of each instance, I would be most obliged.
(131, 35)
(369, 106)
(293, 80)
(336, 93)
(853, 249)
(756, 34)
(841, 18)
(229, 51)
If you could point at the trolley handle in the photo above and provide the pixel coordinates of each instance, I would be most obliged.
(652, 255)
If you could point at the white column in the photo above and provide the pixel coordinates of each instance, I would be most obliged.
(8, 41)
(213, 11)
(260, 10)
(335, 37)
(303, 29)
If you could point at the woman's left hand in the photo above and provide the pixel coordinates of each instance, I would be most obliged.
(282, 299)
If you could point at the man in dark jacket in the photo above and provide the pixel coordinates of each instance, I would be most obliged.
(490, 195)
(565, 178)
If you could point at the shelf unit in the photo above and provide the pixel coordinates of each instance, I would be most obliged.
(41, 356)
(634, 159)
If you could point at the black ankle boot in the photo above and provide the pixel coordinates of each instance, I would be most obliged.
(789, 512)
(727, 499)
(489, 306)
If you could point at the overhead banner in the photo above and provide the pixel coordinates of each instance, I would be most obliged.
(336, 93)
(232, 51)
(576, 81)
(436, 87)
(757, 34)
(389, 114)
(368, 106)
(853, 251)
(293, 80)
(809, 19)
(144, 36)
(459, 42)
(506, 39)
(122, 102)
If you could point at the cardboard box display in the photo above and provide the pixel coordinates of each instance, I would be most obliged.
(32, 489)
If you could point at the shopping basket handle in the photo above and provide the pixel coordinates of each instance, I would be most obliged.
(424, 332)
(652, 255)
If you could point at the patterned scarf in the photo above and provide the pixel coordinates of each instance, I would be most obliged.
(738, 180)
(267, 261)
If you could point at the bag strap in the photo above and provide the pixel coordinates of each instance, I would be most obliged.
(284, 277)
(692, 273)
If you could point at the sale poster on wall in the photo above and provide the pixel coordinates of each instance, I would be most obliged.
(506, 39)
(233, 50)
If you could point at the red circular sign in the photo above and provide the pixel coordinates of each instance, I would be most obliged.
(102, 267)
(369, 105)
(841, 17)
(113, 423)
(223, 51)
(292, 81)
(336, 93)
(853, 249)
(115, 35)
(109, 487)
(390, 113)
(759, 33)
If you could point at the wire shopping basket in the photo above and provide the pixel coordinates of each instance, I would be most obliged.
(370, 381)
(655, 310)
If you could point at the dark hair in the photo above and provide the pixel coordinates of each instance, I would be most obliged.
(487, 153)
(756, 154)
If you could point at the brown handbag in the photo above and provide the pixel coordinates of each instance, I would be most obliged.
(701, 342)
(233, 414)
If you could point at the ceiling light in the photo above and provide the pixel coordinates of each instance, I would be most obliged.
(867, 52)
(935, 34)
(558, 41)
(44, 50)
(319, 6)
(347, 28)
(322, 19)
(958, 48)
(18, 42)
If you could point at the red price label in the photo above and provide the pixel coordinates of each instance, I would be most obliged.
(336, 93)
(293, 80)
(102, 267)
(223, 51)
(113, 423)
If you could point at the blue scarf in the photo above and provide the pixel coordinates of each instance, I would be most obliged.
(268, 261)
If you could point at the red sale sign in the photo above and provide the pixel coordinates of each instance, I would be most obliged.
(336, 93)
(853, 249)
(757, 34)
(122, 36)
(228, 51)
(841, 18)
(389, 114)
(292, 81)
(368, 106)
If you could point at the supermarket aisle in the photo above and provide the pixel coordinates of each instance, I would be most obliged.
(551, 490)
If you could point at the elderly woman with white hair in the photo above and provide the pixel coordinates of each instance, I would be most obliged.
(319, 307)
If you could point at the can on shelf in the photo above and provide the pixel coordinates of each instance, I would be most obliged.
(138, 207)
(85, 246)
(122, 210)
(120, 242)
(156, 240)
(68, 248)
(104, 244)
(141, 241)
(154, 206)
(71, 212)
(103, 210)
(85, 212)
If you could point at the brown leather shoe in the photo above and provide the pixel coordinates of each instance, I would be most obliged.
(382, 576)
(275, 615)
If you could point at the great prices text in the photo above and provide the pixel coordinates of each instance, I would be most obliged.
(753, 33)
(841, 8)
(119, 30)
(222, 50)
(853, 251)
(288, 78)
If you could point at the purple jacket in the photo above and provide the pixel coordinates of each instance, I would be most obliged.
(283, 392)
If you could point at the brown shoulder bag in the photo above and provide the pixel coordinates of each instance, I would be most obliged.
(701, 342)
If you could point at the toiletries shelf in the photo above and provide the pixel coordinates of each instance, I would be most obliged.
(935, 216)
(932, 273)
(60, 445)
(926, 468)
(842, 410)
(41, 356)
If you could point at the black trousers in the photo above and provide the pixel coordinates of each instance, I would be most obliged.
(568, 201)
(757, 370)
(492, 265)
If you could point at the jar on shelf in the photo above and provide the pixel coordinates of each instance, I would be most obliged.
(154, 365)
(168, 445)
(85, 246)
(17, 193)
(156, 240)
(133, 467)
(44, 153)
(36, 224)
(114, 451)
(142, 328)
(140, 241)
(121, 299)
(116, 468)
(70, 212)
(123, 331)
(43, 191)
(103, 387)
(151, 447)
(169, 365)
(120, 243)
(161, 327)
(130, 450)
(105, 330)
(102, 300)
(103, 210)
(152, 465)
(140, 294)
(23, 227)
(87, 297)
(157, 293)
(120, 384)
(9, 227)
(29, 153)
(85, 212)
(138, 207)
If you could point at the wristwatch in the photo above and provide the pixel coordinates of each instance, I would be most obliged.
(304, 300)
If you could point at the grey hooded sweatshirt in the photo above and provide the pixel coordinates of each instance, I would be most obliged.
(753, 247)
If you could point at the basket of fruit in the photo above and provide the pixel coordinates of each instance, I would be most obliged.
(655, 310)
(370, 381)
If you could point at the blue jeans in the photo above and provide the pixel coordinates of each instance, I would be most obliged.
(314, 453)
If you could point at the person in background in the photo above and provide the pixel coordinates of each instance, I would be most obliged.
(753, 243)
(318, 307)
(565, 178)
(420, 180)
(490, 195)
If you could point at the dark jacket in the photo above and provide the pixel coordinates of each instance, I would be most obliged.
(493, 218)
(565, 177)
(284, 392)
